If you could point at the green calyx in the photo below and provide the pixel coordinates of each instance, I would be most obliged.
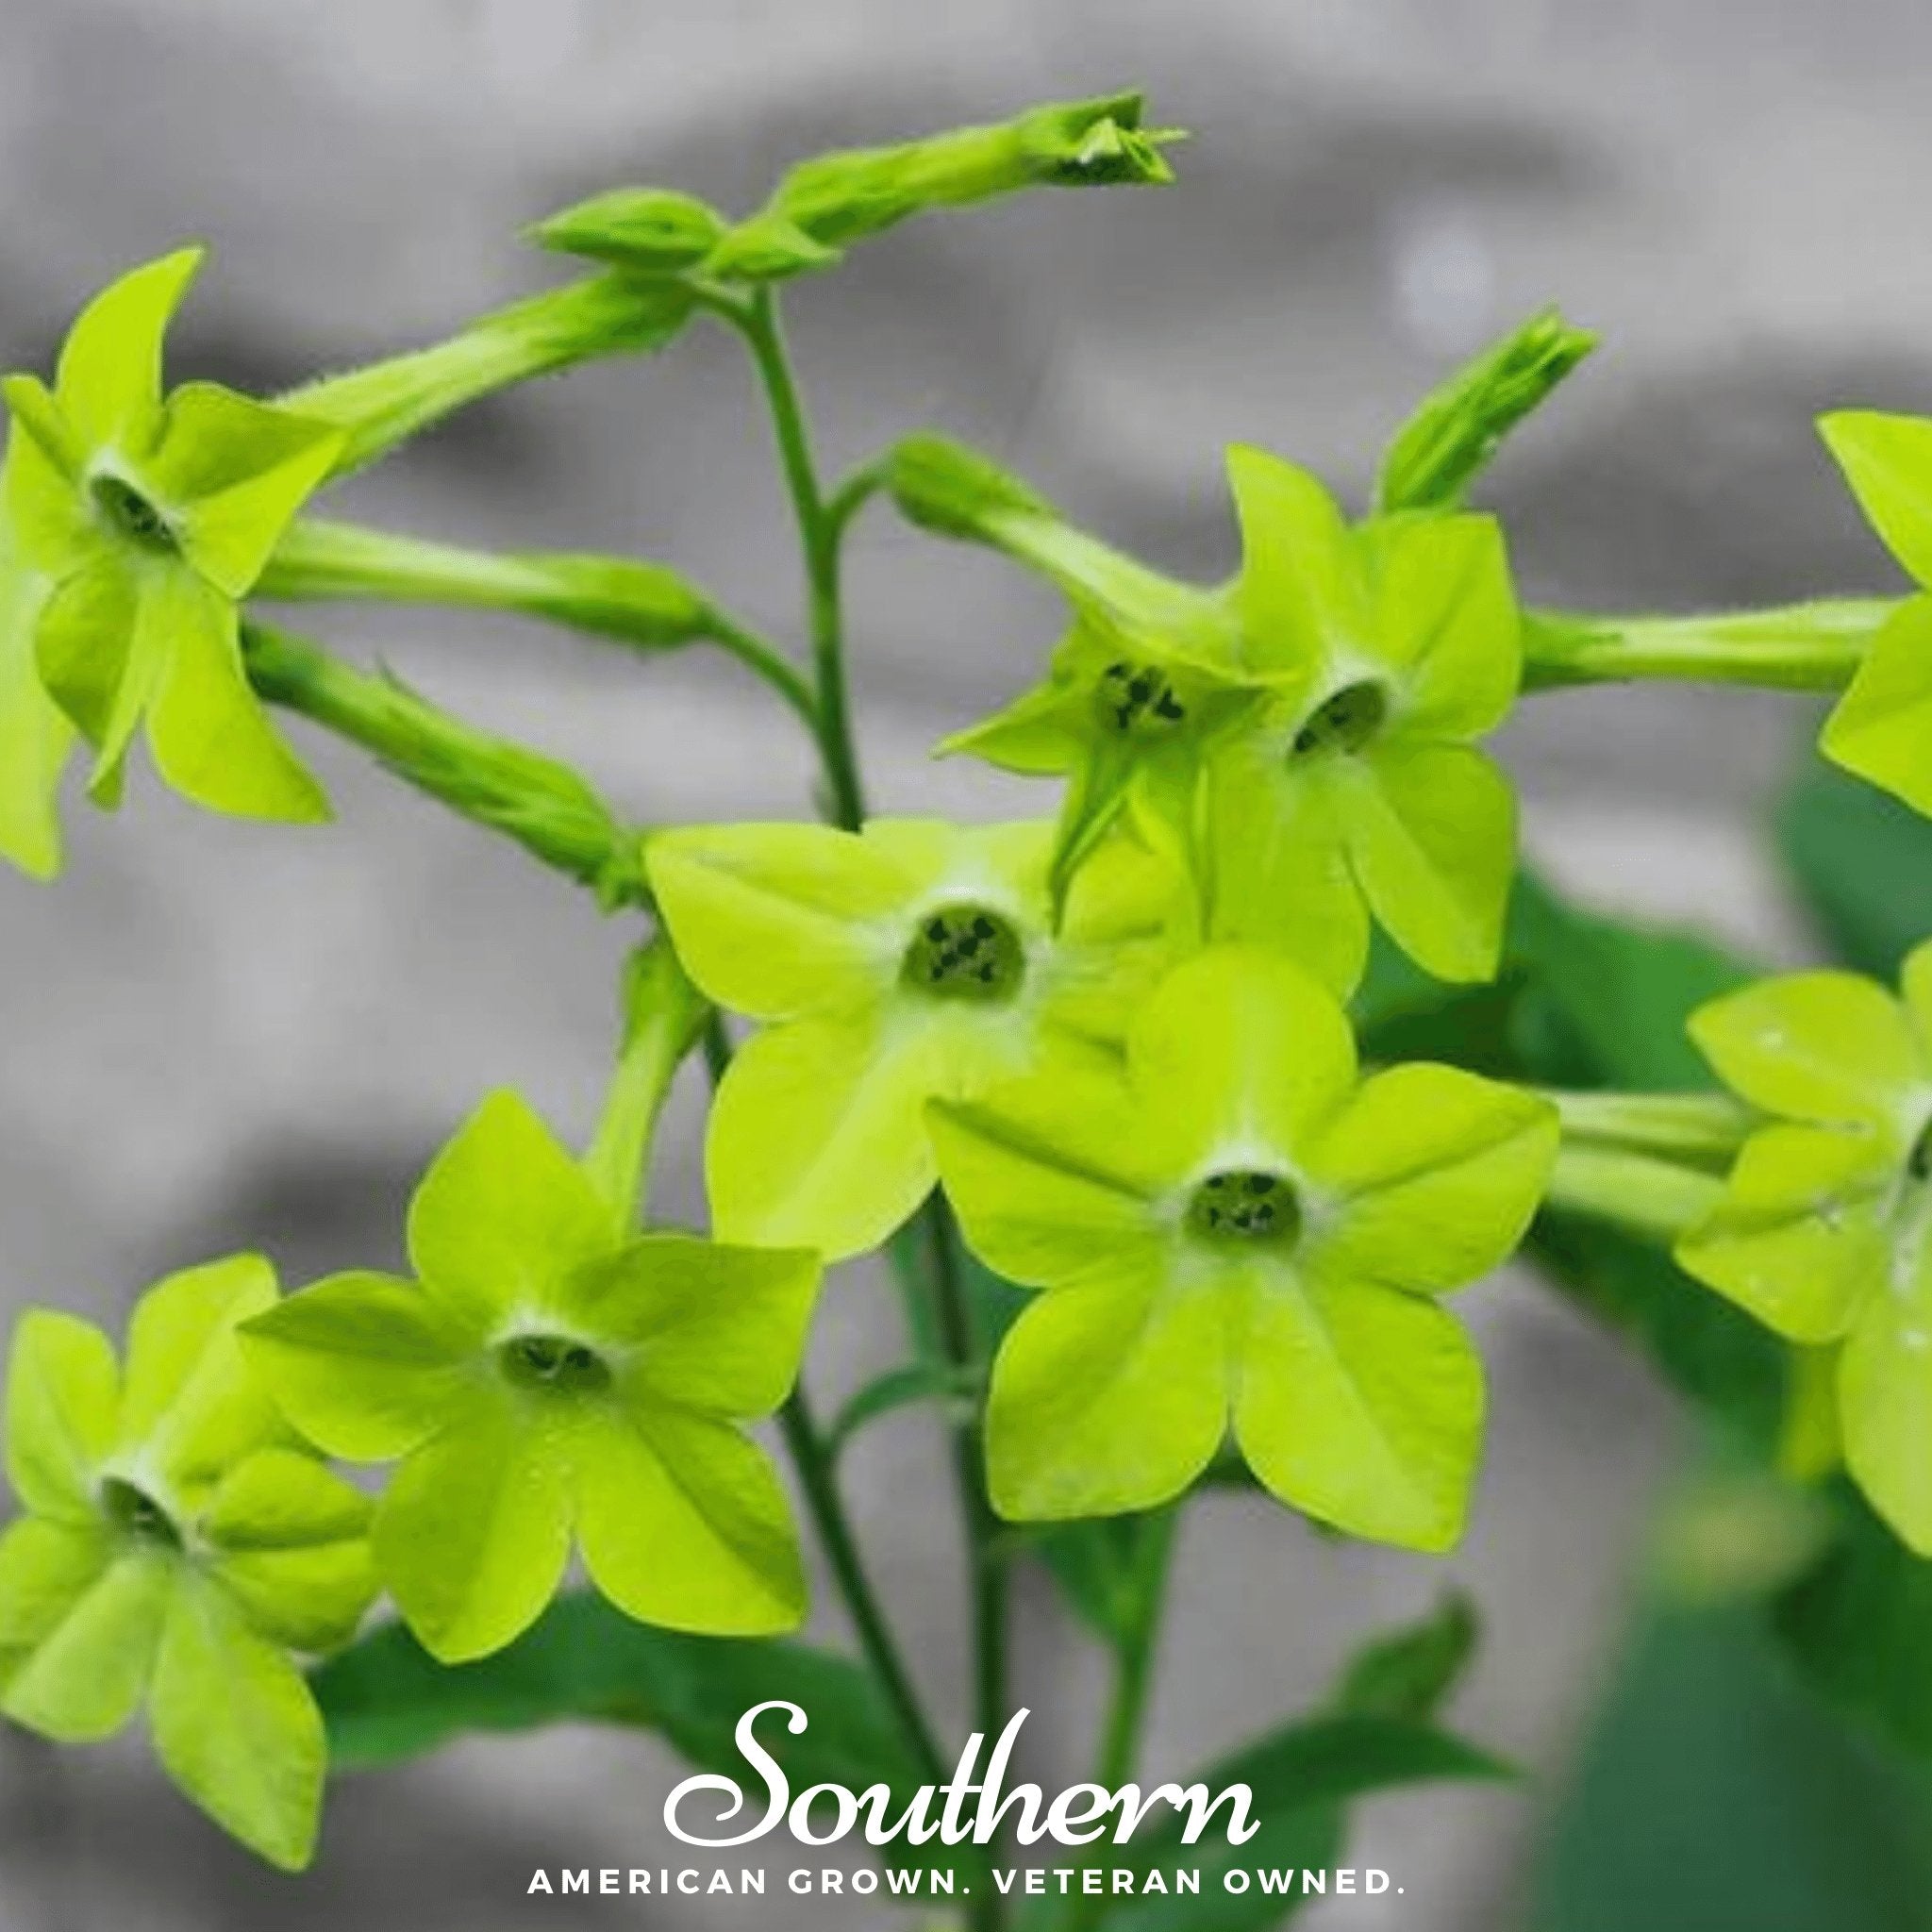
(965, 953)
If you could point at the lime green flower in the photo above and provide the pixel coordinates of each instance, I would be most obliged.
(548, 1377)
(1824, 1231)
(1881, 727)
(35, 734)
(1304, 739)
(180, 1542)
(153, 515)
(1239, 1230)
(908, 962)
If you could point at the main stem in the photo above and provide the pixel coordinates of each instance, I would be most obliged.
(822, 520)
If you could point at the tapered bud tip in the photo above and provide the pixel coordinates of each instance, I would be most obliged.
(943, 486)
(652, 229)
(770, 247)
(1097, 143)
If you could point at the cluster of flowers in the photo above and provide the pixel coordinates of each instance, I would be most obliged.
(1118, 1041)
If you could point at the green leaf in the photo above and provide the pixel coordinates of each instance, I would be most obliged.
(1102, 1568)
(1863, 862)
(1716, 1794)
(1409, 1674)
(1859, 1625)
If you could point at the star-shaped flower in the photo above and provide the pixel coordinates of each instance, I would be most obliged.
(1239, 1230)
(911, 960)
(1825, 1232)
(152, 515)
(1304, 739)
(180, 1542)
(550, 1379)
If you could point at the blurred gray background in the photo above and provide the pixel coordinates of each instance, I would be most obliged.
(219, 1036)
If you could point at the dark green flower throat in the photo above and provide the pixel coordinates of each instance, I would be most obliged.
(136, 1514)
(129, 514)
(554, 1361)
(1138, 701)
(1344, 721)
(1243, 1205)
(965, 953)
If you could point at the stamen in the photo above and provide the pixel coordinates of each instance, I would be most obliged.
(132, 515)
(1137, 700)
(1245, 1205)
(965, 952)
(1345, 720)
(554, 1361)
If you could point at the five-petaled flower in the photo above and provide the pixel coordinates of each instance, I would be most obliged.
(912, 960)
(1305, 737)
(1239, 1230)
(148, 516)
(551, 1377)
(1824, 1230)
(180, 1542)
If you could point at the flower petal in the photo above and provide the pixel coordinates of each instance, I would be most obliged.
(1052, 1176)
(1879, 728)
(1446, 614)
(63, 1391)
(817, 1136)
(110, 378)
(472, 1534)
(1278, 868)
(1362, 1407)
(35, 735)
(84, 653)
(503, 1216)
(778, 920)
(684, 1523)
(1885, 1385)
(1888, 462)
(1108, 1396)
(291, 1542)
(45, 1569)
(236, 1726)
(716, 1329)
(191, 1403)
(1237, 1058)
(241, 470)
(84, 1679)
(1302, 597)
(1431, 834)
(364, 1365)
(1435, 1173)
(1802, 1235)
(207, 730)
(1833, 1048)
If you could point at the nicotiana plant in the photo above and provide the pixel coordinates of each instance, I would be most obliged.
(1179, 1109)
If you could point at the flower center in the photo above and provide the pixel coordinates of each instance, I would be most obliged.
(1919, 1161)
(135, 1513)
(1138, 701)
(128, 513)
(1245, 1205)
(965, 953)
(554, 1361)
(1344, 721)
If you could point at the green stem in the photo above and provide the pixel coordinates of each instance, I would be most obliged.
(813, 1456)
(1704, 1129)
(819, 533)
(627, 601)
(989, 1577)
(1658, 1199)
(547, 807)
(663, 1016)
(1813, 646)
(385, 403)
(1134, 1660)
